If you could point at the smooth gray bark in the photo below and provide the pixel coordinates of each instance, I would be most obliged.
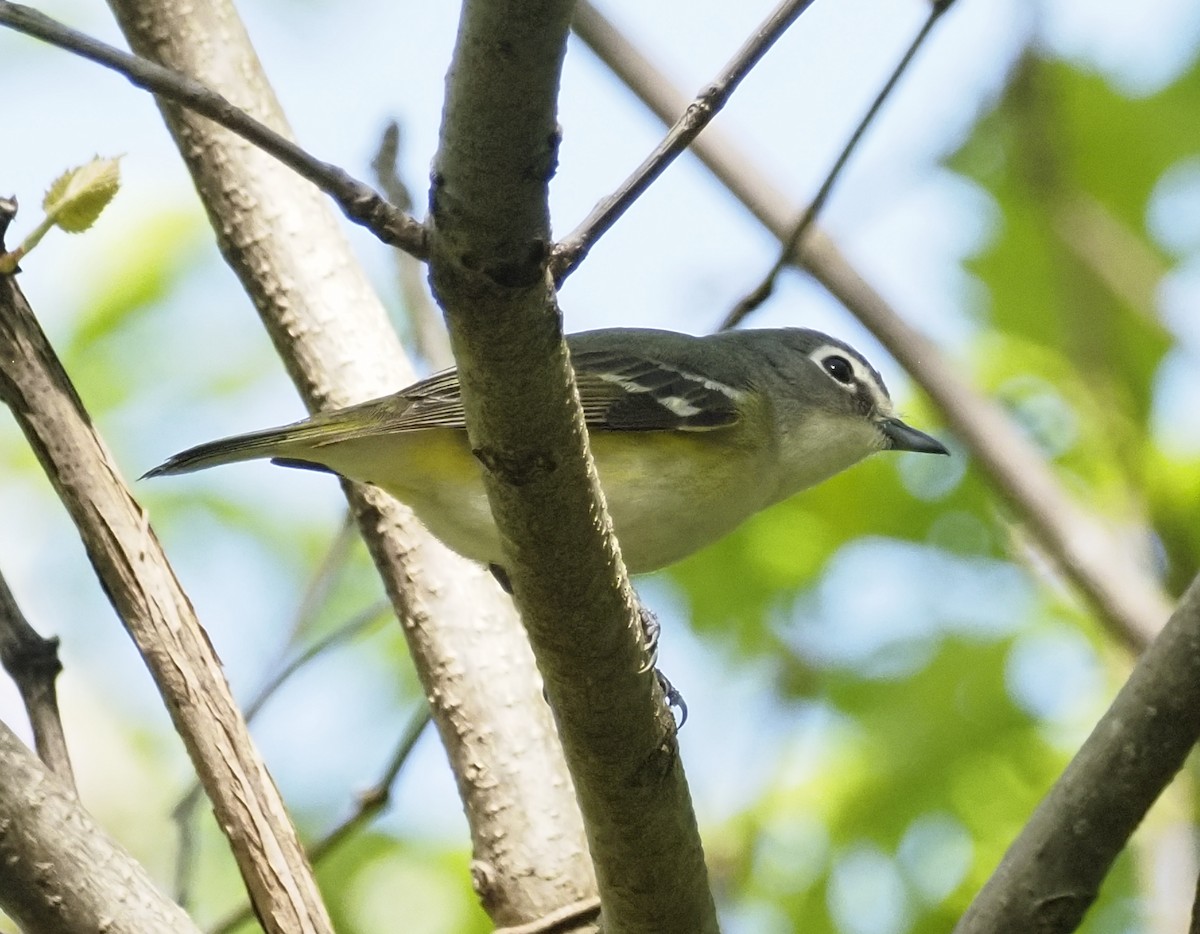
(60, 873)
(488, 263)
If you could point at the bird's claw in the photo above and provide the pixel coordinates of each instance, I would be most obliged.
(673, 697)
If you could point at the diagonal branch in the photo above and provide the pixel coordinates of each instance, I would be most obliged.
(33, 663)
(571, 251)
(1052, 872)
(357, 200)
(1127, 600)
(143, 589)
(490, 226)
(333, 335)
(51, 846)
(370, 802)
(310, 601)
(182, 812)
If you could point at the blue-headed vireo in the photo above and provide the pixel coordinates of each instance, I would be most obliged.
(691, 436)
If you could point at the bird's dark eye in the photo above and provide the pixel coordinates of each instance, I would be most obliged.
(840, 369)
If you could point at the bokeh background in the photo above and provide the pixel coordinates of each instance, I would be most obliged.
(883, 676)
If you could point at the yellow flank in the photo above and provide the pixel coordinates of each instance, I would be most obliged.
(430, 455)
(651, 462)
(652, 481)
(655, 484)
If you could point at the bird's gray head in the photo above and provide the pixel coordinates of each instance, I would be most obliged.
(839, 409)
(842, 382)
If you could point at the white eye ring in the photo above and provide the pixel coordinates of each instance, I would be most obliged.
(839, 368)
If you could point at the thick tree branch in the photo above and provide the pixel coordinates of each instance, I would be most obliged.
(571, 251)
(33, 664)
(334, 336)
(1052, 872)
(489, 238)
(59, 872)
(1127, 599)
(142, 587)
(357, 200)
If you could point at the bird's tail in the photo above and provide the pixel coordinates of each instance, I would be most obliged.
(270, 442)
(312, 443)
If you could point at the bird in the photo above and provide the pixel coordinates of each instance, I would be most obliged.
(691, 435)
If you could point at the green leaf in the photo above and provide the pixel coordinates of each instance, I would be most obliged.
(77, 197)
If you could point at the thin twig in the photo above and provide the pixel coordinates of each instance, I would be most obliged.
(354, 627)
(386, 166)
(370, 802)
(570, 252)
(1128, 601)
(568, 918)
(379, 795)
(428, 329)
(33, 664)
(357, 200)
(322, 581)
(763, 290)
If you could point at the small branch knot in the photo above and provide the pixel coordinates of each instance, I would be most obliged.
(515, 469)
(483, 881)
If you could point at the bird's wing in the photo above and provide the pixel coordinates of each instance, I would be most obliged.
(625, 391)
(619, 390)
(435, 402)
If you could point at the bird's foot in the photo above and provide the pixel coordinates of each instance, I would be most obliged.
(674, 698)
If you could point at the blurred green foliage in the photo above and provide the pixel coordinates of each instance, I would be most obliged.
(1071, 341)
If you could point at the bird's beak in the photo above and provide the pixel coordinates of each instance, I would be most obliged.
(902, 437)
